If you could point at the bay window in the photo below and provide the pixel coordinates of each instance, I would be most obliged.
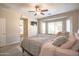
(54, 27)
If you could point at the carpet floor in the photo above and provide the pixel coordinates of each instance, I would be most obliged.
(12, 50)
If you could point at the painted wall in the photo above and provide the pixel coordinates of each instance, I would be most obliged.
(78, 22)
(32, 30)
(12, 25)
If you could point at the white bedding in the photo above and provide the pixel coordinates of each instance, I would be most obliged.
(34, 44)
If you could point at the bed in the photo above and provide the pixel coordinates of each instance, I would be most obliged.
(32, 45)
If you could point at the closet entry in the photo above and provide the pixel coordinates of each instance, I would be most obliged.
(2, 32)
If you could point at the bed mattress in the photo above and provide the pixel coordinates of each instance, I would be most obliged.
(33, 44)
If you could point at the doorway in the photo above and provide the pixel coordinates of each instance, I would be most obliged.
(2, 32)
(23, 28)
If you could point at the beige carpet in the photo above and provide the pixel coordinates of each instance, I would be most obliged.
(12, 50)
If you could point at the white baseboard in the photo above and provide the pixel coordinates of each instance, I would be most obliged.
(13, 43)
(7, 44)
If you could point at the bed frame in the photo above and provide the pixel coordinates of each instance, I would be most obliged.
(26, 51)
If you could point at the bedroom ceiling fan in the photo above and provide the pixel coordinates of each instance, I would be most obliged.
(38, 10)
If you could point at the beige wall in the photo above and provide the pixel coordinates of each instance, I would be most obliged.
(12, 25)
(32, 30)
(78, 20)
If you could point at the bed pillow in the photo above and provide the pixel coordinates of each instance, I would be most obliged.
(67, 34)
(77, 36)
(59, 40)
(71, 41)
(76, 45)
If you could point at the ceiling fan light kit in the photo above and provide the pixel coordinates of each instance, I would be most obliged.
(38, 10)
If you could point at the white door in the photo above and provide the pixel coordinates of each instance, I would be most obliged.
(2, 32)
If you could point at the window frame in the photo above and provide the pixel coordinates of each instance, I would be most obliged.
(54, 25)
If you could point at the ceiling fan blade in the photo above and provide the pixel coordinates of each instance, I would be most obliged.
(44, 10)
(35, 14)
(42, 13)
(31, 11)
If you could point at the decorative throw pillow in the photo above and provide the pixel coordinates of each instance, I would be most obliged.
(60, 34)
(71, 41)
(59, 40)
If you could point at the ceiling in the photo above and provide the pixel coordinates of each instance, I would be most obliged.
(53, 8)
